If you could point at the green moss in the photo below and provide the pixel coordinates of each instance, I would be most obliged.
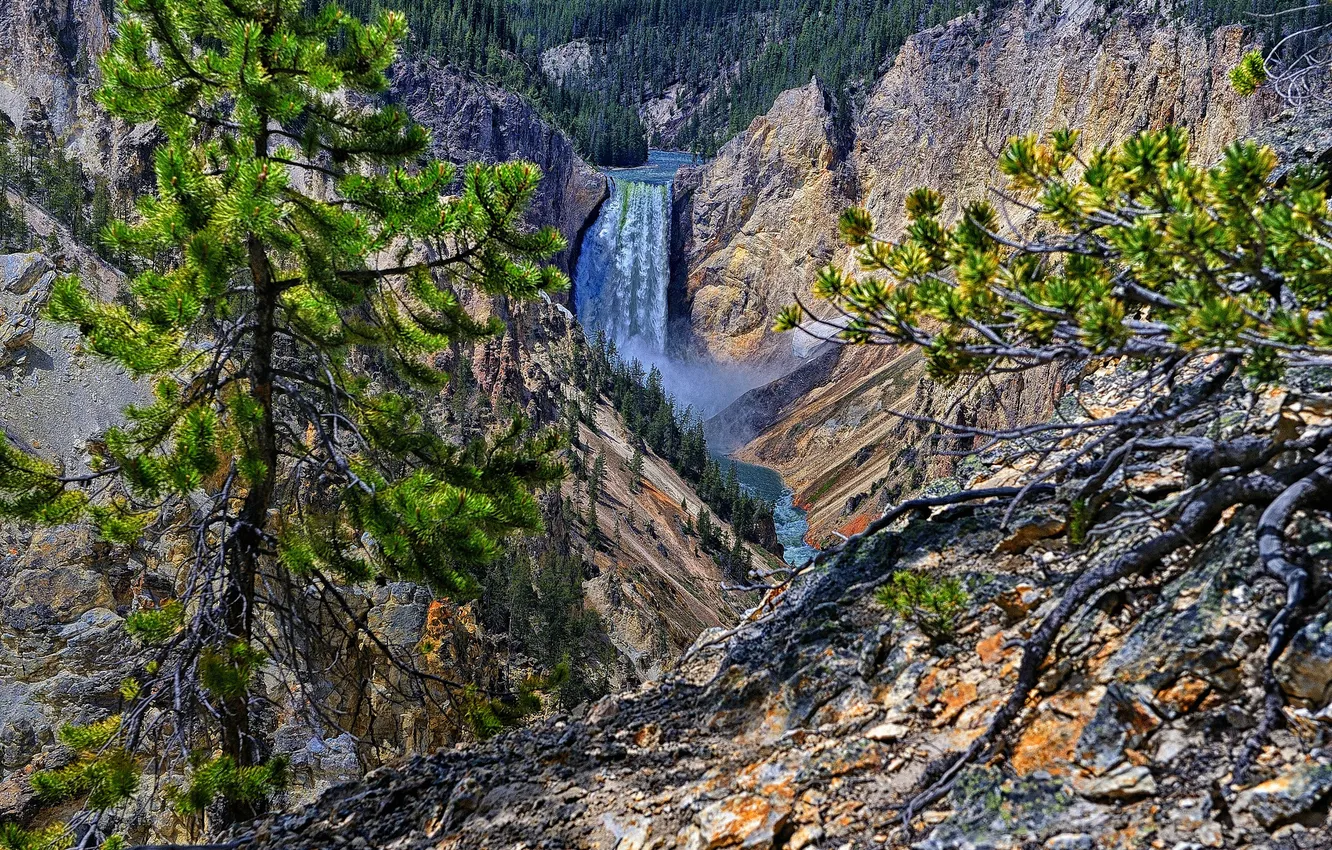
(1079, 520)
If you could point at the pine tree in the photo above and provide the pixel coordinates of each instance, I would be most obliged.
(99, 215)
(706, 530)
(636, 470)
(594, 482)
(283, 244)
(13, 226)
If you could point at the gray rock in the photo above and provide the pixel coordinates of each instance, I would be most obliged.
(1122, 720)
(23, 724)
(475, 121)
(21, 272)
(1129, 782)
(990, 810)
(1170, 745)
(1286, 798)
(1305, 668)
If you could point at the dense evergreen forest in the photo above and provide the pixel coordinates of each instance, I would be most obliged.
(732, 57)
(726, 59)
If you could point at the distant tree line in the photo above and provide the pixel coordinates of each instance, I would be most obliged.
(481, 36)
(729, 57)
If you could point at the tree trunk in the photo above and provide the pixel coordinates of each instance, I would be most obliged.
(243, 565)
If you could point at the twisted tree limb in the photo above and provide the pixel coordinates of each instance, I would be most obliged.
(1312, 489)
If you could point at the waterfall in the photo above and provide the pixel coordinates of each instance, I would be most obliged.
(624, 268)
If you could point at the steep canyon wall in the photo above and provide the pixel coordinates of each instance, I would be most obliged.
(759, 221)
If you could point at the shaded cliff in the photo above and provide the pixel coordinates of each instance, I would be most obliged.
(48, 74)
(474, 121)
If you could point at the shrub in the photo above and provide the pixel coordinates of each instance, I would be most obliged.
(933, 604)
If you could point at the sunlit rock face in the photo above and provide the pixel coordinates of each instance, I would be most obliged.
(48, 75)
(755, 225)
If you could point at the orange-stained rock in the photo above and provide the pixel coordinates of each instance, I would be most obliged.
(742, 820)
(1050, 740)
(853, 761)
(1047, 744)
(991, 649)
(1017, 602)
(928, 687)
(1033, 529)
(648, 736)
(954, 699)
(855, 526)
(1183, 696)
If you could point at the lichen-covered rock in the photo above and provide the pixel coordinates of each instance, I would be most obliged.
(1305, 668)
(816, 722)
(741, 820)
(1122, 720)
(1128, 782)
(991, 810)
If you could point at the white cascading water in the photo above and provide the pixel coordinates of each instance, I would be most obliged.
(624, 268)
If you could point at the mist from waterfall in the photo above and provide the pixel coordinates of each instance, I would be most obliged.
(624, 268)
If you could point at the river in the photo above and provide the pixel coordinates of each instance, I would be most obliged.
(790, 520)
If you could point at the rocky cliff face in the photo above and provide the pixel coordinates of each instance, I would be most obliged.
(48, 73)
(957, 92)
(757, 234)
(473, 121)
(752, 228)
(48, 56)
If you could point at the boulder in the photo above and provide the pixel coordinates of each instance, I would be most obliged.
(1288, 797)
(21, 272)
(888, 732)
(742, 820)
(1304, 670)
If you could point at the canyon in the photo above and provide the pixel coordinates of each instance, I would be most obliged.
(63, 593)
(744, 711)
(755, 225)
